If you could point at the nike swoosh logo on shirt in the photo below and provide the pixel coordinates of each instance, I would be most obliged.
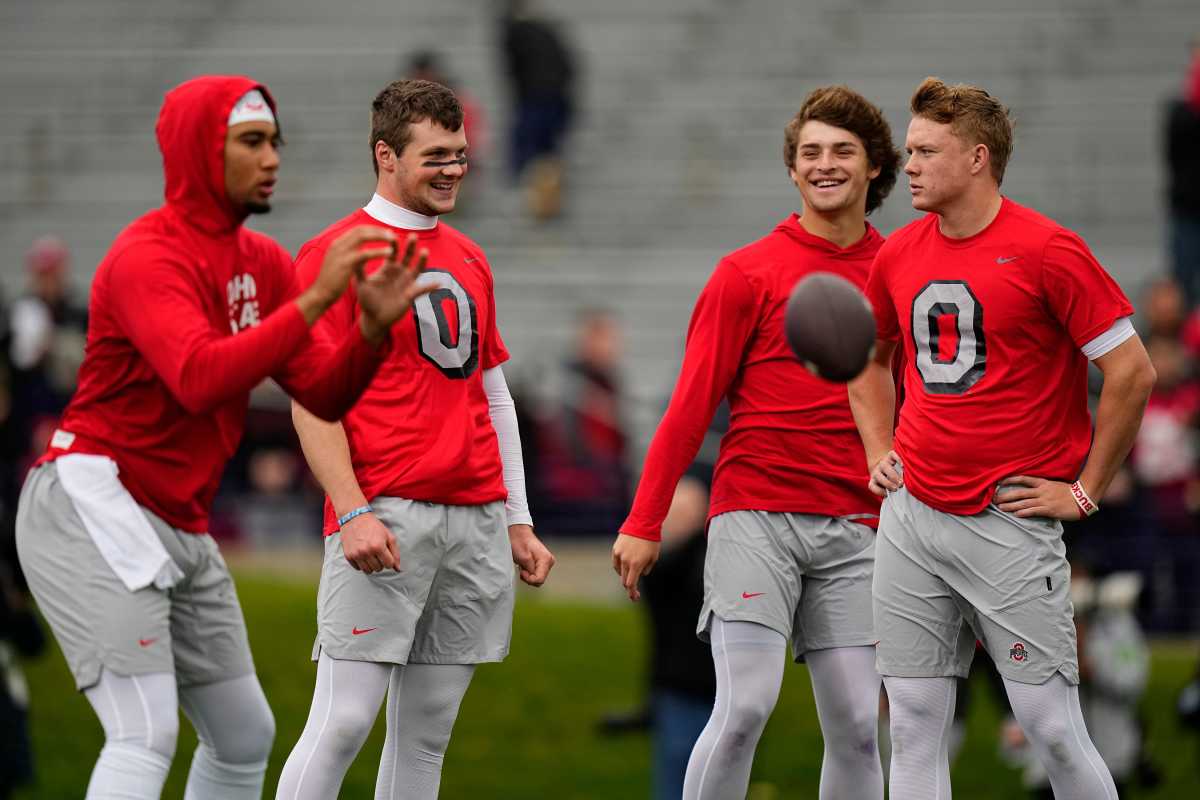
(361, 631)
(470, 260)
(1003, 260)
(748, 595)
(147, 642)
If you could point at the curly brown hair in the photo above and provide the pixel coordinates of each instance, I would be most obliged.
(404, 102)
(842, 107)
(973, 116)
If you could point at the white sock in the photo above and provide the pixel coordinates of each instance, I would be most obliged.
(345, 704)
(423, 703)
(1050, 715)
(140, 717)
(921, 710)
(749, 662)
(236, 729)
(846, 688)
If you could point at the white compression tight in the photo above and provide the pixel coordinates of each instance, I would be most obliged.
(923, 708)
(749, 660)
(236, 731)
(423, 702)
(921, 712)
(846, 688)
(140, 717)
(1050, 715)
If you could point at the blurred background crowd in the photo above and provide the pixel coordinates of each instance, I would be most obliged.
(616, 151)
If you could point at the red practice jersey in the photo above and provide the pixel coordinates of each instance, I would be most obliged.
(422, 430)
(991, 326)
(792, 444)
(189, 310)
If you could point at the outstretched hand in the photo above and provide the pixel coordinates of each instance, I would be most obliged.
(345, 257)
(389, 292)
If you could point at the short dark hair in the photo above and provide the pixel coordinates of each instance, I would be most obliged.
(973, 116)
(842, 107)
(404, 102)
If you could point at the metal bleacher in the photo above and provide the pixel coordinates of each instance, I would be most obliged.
(676, 156)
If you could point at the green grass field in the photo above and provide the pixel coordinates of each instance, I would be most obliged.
(528, 726)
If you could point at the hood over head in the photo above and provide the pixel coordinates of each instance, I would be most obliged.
(191, 133)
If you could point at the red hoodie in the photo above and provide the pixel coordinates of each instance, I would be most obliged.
(189, 311)
(792, 444)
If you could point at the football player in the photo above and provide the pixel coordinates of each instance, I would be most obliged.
(998, 310)
(189, 311)
(791, 523)
(426, 508)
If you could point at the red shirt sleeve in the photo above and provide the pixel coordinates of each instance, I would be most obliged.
(887, 326)
(1079, 293)
(162, 313)
(336, 363)
(721, 325)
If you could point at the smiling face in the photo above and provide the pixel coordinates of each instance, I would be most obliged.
(425, 176)
(251, 163)
(831, 169)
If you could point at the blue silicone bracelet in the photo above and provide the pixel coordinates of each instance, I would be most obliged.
(349, 515)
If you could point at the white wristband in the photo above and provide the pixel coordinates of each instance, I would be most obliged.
(1085, 503)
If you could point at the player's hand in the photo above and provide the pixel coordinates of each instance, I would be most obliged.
(885, 477)
(631, 559)
(344, 258)
(389, 292)
(1026, 496)
(529, 554)
(368, 545)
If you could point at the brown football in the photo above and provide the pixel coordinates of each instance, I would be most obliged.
(830, 326)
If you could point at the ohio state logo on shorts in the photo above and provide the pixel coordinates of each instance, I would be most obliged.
(1018, 653)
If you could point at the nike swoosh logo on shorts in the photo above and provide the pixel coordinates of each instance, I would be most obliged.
(748, 595)
(147, 642)
(361, 631)
(470, 260)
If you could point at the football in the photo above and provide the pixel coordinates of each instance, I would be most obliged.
(830, 326)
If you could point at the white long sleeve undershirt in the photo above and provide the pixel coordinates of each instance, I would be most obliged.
(503, 412)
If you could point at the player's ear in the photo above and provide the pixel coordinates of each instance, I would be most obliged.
(980, 158)
(385, 157)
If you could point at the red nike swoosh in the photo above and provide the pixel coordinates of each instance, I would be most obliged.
(748, 595)
(147, 642)
(361, 631)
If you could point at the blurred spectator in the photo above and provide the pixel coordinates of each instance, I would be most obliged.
(1165, 463)
(581, 484)
(541, 74)
(48, 331)
(1183, 177)
(1164, 309)
(268, 497)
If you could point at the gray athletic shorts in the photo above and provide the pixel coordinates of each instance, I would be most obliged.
(450, 603)
(943, 580)
(806, 576)
(195, 629)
